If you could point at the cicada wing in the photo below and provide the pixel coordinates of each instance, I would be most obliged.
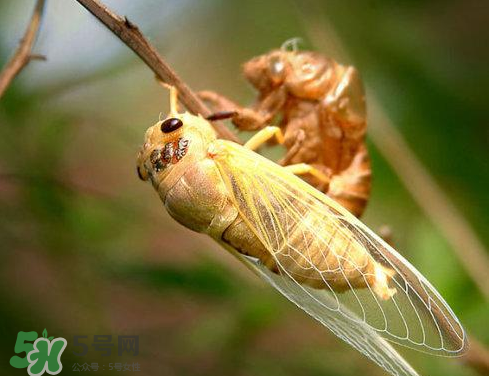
(362, 337)
(300, 227)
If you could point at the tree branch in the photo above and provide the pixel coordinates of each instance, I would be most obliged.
(129, 33)
(477, 357)
(22, 55)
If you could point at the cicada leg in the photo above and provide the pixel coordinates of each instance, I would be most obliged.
(173, 95)
(262, 136)
(292, 152)
(247, 119)
(224, 108)
(218, 102)
(304, 168)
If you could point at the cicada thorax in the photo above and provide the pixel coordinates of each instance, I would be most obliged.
(310, 76)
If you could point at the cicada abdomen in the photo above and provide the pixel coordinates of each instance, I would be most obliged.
(351, 187)
(312, 248)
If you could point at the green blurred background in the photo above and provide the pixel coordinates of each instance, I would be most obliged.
(88, 249)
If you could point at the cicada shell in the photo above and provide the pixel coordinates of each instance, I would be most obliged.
(306, 245)
(321, 109)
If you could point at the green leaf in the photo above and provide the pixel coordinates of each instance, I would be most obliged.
(50, 338)
(45, 333)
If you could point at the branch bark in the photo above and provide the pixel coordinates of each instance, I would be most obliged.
(130, 34)
(22, 55)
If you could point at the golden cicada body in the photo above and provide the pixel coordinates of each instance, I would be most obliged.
(306, 245)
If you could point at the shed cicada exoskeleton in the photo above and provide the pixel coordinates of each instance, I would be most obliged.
(320, 107)
(310, 248)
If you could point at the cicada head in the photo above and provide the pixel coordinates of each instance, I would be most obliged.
(173, 143)
(269, 71)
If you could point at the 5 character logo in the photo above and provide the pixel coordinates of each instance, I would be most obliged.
(44, 355)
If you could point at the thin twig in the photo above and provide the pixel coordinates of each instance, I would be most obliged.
(477, 357)
(129, 33)
(23, 55)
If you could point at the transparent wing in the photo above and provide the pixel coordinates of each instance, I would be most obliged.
(322, 258)
(361, 337)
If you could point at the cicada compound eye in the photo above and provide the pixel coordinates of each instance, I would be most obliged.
(170, 125)
(276, 69)
(276, 66)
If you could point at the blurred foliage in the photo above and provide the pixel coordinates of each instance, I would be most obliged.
(87, 249)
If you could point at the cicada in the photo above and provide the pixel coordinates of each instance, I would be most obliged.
(307, 246)
(320, 107)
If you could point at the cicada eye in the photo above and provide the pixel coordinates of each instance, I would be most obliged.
(170, 125)
(276, 67)
(277, 70)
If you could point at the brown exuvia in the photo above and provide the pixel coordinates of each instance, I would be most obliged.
(320, 107)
